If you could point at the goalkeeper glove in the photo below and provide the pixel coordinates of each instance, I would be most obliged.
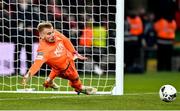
(25, 79)
(79, 56)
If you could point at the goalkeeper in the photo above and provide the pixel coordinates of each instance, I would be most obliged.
(57, 51)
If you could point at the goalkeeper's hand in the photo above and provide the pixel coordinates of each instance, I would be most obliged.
(79, 56)
(25, 79)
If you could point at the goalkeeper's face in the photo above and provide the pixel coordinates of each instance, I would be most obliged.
(48, 34)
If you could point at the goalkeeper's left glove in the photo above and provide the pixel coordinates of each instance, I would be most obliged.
(79, 56)
(25, 79)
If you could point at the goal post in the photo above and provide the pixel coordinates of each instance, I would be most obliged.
(119, 81)
(74, 18)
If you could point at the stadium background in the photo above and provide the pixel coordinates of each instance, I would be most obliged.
(140, 89)
(63, 20)
(69, 17)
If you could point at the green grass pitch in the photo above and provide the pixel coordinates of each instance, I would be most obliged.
(140, 93)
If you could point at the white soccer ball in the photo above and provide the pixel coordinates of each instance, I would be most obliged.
(167, 93)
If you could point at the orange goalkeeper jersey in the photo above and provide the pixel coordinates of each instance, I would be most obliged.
(57, 54)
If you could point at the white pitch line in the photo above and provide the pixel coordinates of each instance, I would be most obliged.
(70, 96)
(52, 97)
(149, 93)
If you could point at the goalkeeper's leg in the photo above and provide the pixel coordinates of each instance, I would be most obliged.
(50, 84)
(79, 88)
(75, 82)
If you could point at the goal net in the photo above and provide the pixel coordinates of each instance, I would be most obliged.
(89, 24)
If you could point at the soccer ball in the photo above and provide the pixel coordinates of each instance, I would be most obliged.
(167, 93)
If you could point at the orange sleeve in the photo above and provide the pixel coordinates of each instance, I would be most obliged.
(175, 25)
(156, 26)
(39, 61)
(36, 67)
(67, 43)
(159, 25)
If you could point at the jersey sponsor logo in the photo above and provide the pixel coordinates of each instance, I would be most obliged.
(59, 50)
(39, 56)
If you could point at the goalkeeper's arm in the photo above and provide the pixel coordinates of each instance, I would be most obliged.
(70, 47)
(32, 71)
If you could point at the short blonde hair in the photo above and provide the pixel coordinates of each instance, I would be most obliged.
(43, 25)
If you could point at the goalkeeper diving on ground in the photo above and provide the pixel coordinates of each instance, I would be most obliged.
(57, 51)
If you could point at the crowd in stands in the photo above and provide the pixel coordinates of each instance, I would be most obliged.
(150, 31)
